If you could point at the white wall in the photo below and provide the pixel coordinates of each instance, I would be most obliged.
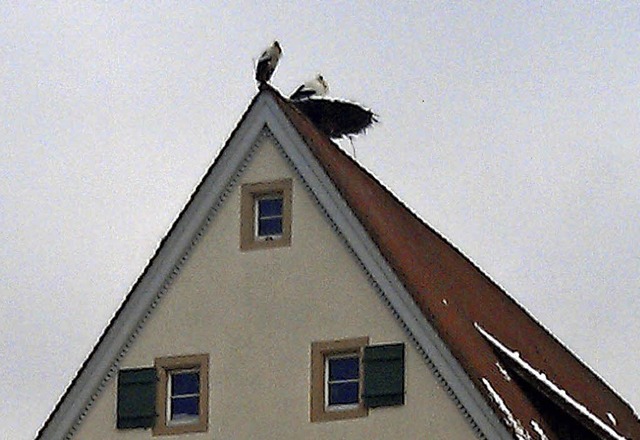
(256, 314)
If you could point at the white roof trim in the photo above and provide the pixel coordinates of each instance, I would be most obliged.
(189, 228)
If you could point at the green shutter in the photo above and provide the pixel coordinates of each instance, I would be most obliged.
(383, 375)
(137, 398)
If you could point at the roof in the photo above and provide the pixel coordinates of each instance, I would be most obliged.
(440, 296)
(456, 296)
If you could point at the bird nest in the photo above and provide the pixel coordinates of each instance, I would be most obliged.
(337, 118)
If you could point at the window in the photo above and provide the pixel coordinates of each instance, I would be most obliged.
(182, 400)
(336, 379)
(342, 384)
(183, 396)
(349, 376)
(269, 216)
(171, 398)
(265, 215)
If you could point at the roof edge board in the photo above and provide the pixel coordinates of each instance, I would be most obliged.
(391, 287)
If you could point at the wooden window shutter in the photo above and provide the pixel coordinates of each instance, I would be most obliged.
(137, 398)
(383, 375)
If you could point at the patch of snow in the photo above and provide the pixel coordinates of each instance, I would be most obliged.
(503, 371)
(521, 433)
(515, 356)
(539, 430)
(612, 418)
(555, 338)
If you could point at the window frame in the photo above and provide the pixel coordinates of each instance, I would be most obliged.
(165, 366)
(321, 352)
(251, 193)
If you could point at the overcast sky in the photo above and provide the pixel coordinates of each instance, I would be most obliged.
(512, 129)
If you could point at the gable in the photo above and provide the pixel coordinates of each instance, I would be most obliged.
(431, 289)
(257, 313)
(413, 270)
(260, 127)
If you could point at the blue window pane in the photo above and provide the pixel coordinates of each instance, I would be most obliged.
(185, 383)
(272, 226)
(344, 368)
(182, 407)
(343, 393)
(270, 207)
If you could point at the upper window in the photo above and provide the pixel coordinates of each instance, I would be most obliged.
(182, 394)
(269, 216)
(265, 215)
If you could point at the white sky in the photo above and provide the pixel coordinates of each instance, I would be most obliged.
(511, 129)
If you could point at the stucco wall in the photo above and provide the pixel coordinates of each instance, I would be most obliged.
(256, 313)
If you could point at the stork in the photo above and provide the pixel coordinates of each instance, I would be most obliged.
(315, 87)
(267, 62)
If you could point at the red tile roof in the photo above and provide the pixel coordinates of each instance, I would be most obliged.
(433, 270)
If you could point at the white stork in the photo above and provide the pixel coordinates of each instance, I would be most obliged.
(267, 62)
(316, 87)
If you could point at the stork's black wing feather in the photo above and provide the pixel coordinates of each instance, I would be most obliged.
(302, 92)
(264, 70)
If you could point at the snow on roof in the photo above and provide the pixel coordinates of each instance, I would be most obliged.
(612, 418)
(539, 430)
(562, 394)
(503, 371)
(521, 432)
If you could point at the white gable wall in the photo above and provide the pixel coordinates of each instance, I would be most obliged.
(256, 313)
